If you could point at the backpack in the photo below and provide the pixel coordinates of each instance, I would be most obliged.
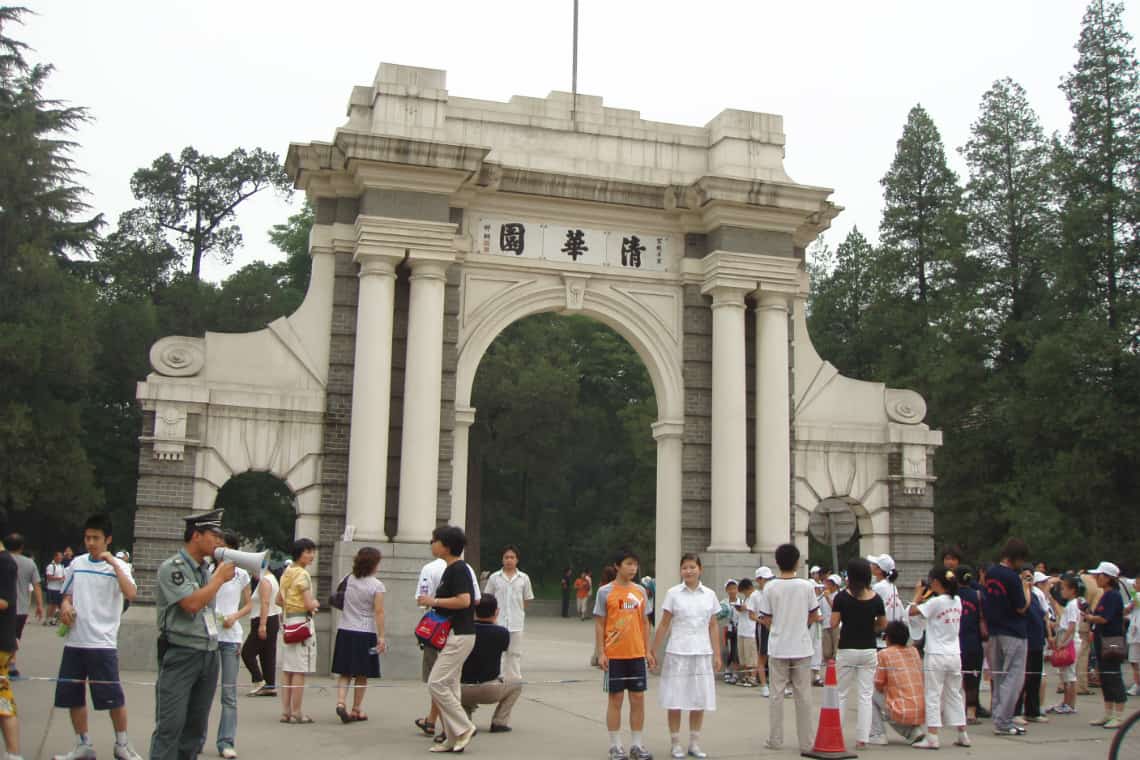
(337, 598)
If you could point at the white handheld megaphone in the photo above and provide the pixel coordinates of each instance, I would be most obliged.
(252, 562)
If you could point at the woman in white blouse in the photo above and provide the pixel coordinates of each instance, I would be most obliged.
(692, 656)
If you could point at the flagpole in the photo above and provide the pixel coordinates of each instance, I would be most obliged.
(574, 74)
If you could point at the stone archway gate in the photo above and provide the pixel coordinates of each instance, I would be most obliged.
(440, 221)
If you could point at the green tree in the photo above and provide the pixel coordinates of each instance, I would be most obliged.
(1011, 206)
(562, 445)
(840, 300)
(195, 197)
(922, 228)
(41, 198)
(292, 238)
(45, 313)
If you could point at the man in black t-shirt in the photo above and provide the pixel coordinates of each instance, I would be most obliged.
(482, 683)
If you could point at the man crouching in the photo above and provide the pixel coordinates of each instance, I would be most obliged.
(482, 683)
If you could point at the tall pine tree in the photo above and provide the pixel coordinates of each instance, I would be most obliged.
(46, 340)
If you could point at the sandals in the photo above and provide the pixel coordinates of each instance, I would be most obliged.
(426, 726)
(286, 718)
(357, 715)
(342, 713)
(302, 719)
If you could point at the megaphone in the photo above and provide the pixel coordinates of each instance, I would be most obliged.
(252, 562)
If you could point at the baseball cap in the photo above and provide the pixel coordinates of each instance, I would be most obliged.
(730, 582)
(884, 561)
(835, 579)
(764, 572)
(1107, 568)
(1039, 577)
(814, 569)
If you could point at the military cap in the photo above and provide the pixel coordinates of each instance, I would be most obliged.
(205, 521)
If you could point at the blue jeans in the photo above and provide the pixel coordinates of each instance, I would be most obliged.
(227, 727)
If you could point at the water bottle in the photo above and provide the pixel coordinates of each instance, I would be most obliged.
(62, 629)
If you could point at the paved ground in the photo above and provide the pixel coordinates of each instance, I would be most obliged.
(554, 719)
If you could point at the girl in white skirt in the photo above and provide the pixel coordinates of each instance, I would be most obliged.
(942, 661)
(692, 656)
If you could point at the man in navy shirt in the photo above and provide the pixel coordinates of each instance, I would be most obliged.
(482, 681)
(1005, 603)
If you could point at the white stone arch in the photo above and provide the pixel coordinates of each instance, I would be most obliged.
(647, 315)
(642, 328)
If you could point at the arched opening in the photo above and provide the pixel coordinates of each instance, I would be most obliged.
(562, 455)
(261, 508)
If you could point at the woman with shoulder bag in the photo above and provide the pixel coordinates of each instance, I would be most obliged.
(1107, 620)
(454, 599)
(360, 633)
(299, 653)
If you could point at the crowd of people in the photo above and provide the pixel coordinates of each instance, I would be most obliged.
(912, 663)
(917, 664)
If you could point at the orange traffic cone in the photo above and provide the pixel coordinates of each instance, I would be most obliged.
(829, 735)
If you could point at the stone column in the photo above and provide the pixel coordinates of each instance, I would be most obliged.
(464, 419)
(371, 394)
(729, 421)
(773, 425)
(423, 379)
(669, 448)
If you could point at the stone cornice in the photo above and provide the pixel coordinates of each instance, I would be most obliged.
(751, 271)
(382, 235)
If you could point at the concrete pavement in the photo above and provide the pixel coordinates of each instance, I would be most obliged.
(560, 715)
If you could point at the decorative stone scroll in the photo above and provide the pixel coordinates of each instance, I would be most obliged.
(905, 406)
(178, 356)
(169, 431)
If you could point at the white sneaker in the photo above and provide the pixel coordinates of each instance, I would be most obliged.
(127, 752)
(963, 740)
(229, 753)
(81, 752)
(696, 751)
(677, 751)
(1134, 690)
(879, 740)
(256, 688)
(764, 691)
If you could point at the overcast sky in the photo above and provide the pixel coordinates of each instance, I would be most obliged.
(158, 76)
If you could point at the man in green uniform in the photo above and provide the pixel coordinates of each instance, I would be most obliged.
(187, 640)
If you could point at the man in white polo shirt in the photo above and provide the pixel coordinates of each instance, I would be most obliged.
(94, 588)
(512, 588)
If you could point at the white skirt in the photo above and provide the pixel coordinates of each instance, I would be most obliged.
(687, 682)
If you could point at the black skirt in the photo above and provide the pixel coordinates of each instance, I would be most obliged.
(352, 655)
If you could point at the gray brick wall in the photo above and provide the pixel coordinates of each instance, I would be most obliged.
(696, 483)
(338, 418)
(164, 496)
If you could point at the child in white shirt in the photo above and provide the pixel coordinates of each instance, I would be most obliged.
(1068, 630)
(942, 661)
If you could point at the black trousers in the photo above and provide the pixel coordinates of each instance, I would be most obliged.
(1111, 679)
(1030, 699)
(565, 603)
(971, 675)
(260, 657)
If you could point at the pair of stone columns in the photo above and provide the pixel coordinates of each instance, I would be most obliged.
(730, 420)
(371, 394)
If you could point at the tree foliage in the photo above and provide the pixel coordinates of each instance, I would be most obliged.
(195, 197)
(563, 443)
(1026, 343)
(46, 341)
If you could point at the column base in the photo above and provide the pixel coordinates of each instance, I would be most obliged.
(719, 566)
(728, 548)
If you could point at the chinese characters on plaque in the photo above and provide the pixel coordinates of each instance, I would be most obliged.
(578, 245)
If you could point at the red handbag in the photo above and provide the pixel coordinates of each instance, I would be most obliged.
(1064, 657)
(295, 633)
(433, 630)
